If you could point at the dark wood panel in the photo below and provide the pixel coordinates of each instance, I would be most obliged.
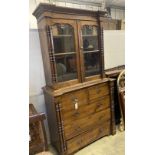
(53, 122)
(38, 140)
(113, 73)
(45, 52)
(113, 126)
(121, 67)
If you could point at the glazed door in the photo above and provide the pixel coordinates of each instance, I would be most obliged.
(89, 49)
(64, 52)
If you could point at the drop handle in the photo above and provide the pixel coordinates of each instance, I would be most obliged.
(76, 106)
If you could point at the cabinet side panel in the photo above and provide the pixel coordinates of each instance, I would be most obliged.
(113, 126)
(44, 50)
(52, 121)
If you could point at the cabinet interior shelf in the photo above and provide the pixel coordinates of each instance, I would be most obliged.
(89, 35)
(59, 36)
(64, 53)
(91, 51)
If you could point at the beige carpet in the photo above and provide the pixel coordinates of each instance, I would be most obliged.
(110, 145)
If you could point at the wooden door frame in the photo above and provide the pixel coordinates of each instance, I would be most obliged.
(73, 23)
(80, 24)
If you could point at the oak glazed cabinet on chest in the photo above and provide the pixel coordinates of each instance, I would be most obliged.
(79, 99)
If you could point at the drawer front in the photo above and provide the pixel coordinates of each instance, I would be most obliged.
(86, 110)
(98, 91)
(70, 100)
(78, 126)
(86, 138)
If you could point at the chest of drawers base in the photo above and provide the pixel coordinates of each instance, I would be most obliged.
(78, 116)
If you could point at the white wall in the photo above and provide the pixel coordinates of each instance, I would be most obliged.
(36, 74)
(114, 48)
(32, 19)
(117, 13)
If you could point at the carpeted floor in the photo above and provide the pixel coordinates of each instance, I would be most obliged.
(110, 145)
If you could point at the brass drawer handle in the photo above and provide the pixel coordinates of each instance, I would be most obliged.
(75, 102)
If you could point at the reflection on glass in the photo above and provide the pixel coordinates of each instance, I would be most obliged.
(89, 30)
(63, 38)
(91, 62)
(66, 67)
(90, 43)
(91, 50)
(90, 38)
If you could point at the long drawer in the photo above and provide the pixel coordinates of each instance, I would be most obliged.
(86, 138)
(85, 110)
(79, 126)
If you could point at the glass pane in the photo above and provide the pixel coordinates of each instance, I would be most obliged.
(90, 38)
(63, 38)
(66, 67)
(89, 30)
(91, 62)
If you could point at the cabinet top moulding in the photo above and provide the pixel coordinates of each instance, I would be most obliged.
(44, 7)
